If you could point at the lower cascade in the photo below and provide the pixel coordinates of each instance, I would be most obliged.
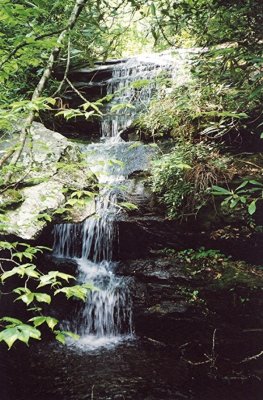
(106, 316)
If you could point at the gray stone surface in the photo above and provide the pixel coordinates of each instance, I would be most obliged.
(50, 164)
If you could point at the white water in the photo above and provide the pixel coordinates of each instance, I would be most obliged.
(106, 317)
(133, 84)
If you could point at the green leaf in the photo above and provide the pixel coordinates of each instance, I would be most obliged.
(120, 106)
(43, 298)
(135, 145)
(252, 207)
(253, 182)
(12, 320)
(128, 206)
(37, 320)
(183, 166)
(51, 322)
(10, 273)
(20, 332)
(27, 298)
(78, 291)
(219, 191)
(60, 337)
(243, 184)
(9, 336)
(65, 277)
(71, 334)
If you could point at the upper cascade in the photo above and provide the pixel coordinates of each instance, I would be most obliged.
(132, 86)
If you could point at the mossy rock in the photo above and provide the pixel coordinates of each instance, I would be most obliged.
(210, 268)
(11, 198)
(221, 272)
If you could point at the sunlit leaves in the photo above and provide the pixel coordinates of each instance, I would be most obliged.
(61, 336)
(120, 106)
(28, 270)
(77, 291)
(248, 193)
(27, 296)
(40, 320)
(128, 206)
(54, 278)
(13, 329)
(16, 330)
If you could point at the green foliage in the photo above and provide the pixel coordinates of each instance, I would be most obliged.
(10, 198)
(29, 294)
(212, 110)
(248, 193)
(86, 110)
(190, 255)
(77, 291)
(182, 178)
(127, 206)
(211, 267)
(17, 330)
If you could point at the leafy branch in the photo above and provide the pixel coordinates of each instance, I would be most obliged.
(34, 279)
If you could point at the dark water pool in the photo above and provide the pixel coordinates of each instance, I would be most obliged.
(135, 369)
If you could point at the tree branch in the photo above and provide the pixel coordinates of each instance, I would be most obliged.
(252, 357)
(79, 5)
(24, 44)
(76, 90)
(65, 73)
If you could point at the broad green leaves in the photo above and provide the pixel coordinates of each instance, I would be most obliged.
(248, 193)
(53, 279)
(50, 321)
(27, 296)
(28, 270)
(31, 294)
(16, 330)
(77, 291)
(61, 336)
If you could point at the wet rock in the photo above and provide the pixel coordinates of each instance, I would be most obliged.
(148, 230)
(173, 295)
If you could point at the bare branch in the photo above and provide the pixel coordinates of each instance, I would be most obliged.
(65, 73)
(255, 357)
(76, 90)
(7, 155)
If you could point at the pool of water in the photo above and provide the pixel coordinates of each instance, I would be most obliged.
(135, 369)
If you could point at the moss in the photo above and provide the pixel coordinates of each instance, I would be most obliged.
(213, 269)
(11, 198)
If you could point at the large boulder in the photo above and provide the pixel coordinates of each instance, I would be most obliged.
(49, 170)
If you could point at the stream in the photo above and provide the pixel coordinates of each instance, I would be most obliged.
(109, 362)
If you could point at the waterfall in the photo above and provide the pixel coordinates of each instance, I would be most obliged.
(107, 314)
(133, 84)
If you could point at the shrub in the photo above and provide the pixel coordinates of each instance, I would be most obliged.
(182, 179)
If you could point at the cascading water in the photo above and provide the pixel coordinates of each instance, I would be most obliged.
(107, 314)
(133, 84)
